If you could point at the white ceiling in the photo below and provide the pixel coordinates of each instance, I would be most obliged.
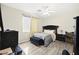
(36, 9)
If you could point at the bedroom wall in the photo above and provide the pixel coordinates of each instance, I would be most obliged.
(65, 22)
(12, 19)
(63, 18)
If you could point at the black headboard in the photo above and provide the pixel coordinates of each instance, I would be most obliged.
(51, 27)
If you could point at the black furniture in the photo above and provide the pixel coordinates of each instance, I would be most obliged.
(65, 52)
(8, 38)
(76, 38)
(69, 37)
(61, 37)
(1, 22)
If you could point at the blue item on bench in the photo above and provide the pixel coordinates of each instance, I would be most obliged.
(16, 50)
(37, 41)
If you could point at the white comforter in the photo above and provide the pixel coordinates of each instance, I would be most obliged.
(43, 35)
(48, 38)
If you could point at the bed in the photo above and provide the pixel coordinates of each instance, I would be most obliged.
(45, 37)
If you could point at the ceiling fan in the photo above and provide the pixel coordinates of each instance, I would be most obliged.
(45, 11)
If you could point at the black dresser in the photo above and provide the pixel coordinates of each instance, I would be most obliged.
(61, 37)
(8, 39)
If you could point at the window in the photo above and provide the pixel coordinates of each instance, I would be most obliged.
(26, 23)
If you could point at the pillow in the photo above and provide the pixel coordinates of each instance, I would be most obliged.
(49, 31)
(52, 32)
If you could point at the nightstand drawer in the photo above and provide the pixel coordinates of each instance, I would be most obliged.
(61, 37)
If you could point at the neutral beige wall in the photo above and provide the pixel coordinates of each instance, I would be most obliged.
(12, 19)
(64, 20)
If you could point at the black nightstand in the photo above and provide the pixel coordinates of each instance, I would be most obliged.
(61, 37)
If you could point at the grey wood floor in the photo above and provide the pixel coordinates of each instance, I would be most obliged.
(55, 48)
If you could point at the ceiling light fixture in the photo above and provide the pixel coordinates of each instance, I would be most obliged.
(45, 11)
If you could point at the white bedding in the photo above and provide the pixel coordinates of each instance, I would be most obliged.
(47, 37)
(53, 36)
(52, 33)
(43, 35)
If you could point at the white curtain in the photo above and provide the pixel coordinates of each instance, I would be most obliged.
(26, 23)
